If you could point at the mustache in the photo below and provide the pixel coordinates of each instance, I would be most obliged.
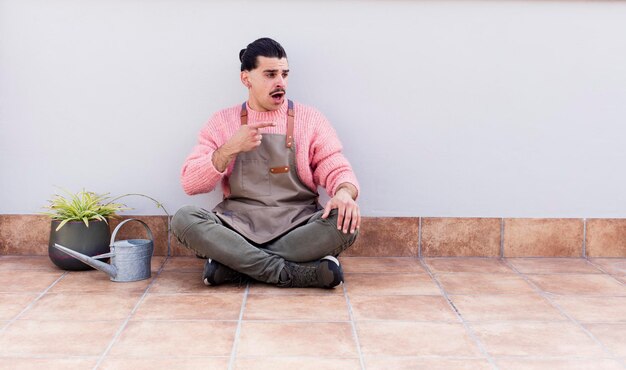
(274, 92)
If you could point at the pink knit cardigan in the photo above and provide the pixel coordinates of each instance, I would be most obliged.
(319, 159)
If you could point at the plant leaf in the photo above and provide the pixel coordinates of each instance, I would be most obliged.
(61, 224)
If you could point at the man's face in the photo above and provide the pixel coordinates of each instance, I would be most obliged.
(267, 83)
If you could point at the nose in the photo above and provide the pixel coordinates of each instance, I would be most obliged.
(280, 81)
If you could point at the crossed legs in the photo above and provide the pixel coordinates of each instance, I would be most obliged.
(204, 233)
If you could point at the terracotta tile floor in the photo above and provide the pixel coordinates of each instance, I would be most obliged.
(392, 313)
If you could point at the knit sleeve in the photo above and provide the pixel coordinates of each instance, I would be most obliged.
(198, 174)
(330, 167)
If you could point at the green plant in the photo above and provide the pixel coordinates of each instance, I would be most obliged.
(82, 206)
(86, 205)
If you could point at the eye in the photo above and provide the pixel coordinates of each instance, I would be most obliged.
(271, 75)
(285, 74)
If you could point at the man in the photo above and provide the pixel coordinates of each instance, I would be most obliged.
(270, 155)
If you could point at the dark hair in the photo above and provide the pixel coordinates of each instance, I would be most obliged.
(264, 47)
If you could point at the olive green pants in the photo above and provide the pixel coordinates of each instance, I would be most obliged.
(204, 233)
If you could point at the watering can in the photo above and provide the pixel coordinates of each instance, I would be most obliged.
(130, 259)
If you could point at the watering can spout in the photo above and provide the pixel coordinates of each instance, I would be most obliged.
(91, 261)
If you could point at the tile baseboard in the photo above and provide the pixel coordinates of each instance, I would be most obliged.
(24, 234)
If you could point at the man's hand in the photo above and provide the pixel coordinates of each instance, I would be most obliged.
(347, 209)
(245, 139)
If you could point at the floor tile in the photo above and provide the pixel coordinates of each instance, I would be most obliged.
(382, 265)
(189, 307)
(536, 339)
(300, 363)
(296, 339)
(483, 265)
(27, 263)
(593, 309)
(505, 307)
(415, 339)
(184, 264)
(12, 304)
(587, 284)
(57, 338)
(564, 364)
(403, 363)
(391, 284)
(179, 316)
(613, 336)
(471, 283)
(553, 266)
(80, 307)
(268, 289)
(189, 282)
(175, 339)
(614, 266)
(406, 307)
(96, 282)
(48, 363)
(217, 363)
(293, 307)
(23, 281)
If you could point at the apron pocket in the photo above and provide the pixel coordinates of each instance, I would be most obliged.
(255, 179)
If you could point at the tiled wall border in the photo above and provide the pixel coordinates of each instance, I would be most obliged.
(394, 236)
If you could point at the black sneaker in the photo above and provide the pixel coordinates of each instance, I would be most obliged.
(325, 273)
(215, 274)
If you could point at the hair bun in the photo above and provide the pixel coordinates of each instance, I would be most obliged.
(241, 53)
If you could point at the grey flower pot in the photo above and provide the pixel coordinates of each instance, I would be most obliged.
(90, 241)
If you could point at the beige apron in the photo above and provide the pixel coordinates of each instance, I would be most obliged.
(267, 198)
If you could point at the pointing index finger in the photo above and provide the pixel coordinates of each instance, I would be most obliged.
(262, 125)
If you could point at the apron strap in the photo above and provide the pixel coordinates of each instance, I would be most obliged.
(290, 118)
(244, 114)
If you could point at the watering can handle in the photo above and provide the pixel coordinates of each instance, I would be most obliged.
(125, 221)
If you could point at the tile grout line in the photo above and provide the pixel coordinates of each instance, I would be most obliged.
(562, 312)
(353, 324)
(10, 322)
(606, 273)
(233, 353)
(125, 323)
(468, 329)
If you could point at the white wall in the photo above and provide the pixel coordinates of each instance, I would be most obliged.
(445, 108)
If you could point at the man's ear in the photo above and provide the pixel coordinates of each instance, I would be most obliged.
(245, 79)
